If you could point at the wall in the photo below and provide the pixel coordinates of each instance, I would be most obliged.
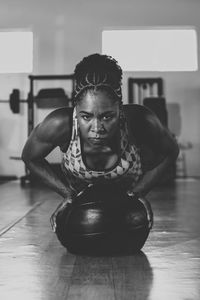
(65, 31)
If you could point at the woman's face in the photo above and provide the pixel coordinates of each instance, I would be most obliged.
(98, 118)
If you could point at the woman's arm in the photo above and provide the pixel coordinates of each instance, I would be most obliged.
(158, 151)
(165, 149)
(52, 132)
(153, 176)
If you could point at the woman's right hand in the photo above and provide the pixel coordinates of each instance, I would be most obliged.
(66, 201)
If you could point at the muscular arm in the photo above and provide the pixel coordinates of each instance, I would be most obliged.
(52, 132)
(161, 146)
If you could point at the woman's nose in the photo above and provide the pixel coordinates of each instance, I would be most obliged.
(97, 126)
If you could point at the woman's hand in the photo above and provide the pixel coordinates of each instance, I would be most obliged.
(146, 204)
(149, 211)
(66, 201)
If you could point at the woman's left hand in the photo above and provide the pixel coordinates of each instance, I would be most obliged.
(149, 211)
(147, 206)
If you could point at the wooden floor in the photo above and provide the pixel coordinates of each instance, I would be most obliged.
(34, 266)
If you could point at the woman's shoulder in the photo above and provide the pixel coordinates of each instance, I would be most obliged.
(141, 115)
(57, 125)
(136, 112)
(60, 116)
(142, 122)
(136, 116)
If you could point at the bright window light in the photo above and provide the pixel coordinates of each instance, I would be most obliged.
(152, 49)
(16, 52)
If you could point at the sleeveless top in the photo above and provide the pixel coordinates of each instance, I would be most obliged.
(126, 171)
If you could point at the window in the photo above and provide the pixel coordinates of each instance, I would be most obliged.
(16, 52)
(152, 49)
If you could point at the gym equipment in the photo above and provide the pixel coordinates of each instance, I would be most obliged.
(14, 101)
(140, 88)
(46, 98)
(103, 219)
(52, 98)
(32, 98)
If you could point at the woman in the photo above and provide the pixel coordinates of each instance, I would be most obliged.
(102, 141)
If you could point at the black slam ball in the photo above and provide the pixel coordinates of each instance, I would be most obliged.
(103, 218)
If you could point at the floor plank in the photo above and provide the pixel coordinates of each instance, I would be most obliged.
(92, 278)
(133, 277)
(16, 202)
(176, 271)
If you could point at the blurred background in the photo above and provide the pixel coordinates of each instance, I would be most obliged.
(61, 34)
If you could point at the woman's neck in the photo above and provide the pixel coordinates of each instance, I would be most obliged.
(101, 157)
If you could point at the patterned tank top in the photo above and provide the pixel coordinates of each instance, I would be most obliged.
(126, 171)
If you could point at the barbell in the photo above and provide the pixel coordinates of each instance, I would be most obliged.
(56, 96)
(14, 101)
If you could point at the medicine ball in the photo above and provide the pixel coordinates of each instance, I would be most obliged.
(103, 219)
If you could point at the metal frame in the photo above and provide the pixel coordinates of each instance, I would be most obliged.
(142, 82)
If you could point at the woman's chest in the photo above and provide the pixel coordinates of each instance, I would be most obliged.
(100, 157)
(100, 161)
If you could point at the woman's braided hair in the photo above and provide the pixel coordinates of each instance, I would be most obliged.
(97, 72)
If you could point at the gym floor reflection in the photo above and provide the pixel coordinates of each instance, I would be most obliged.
(35, 266)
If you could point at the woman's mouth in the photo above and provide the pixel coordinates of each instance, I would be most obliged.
(97, 140)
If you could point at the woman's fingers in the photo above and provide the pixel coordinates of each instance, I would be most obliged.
(149, 211)
(54, 215)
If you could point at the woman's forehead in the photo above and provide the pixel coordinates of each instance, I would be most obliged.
(97, 99)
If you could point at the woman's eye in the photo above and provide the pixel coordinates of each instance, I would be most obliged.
(86, 118)
(106, 118)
